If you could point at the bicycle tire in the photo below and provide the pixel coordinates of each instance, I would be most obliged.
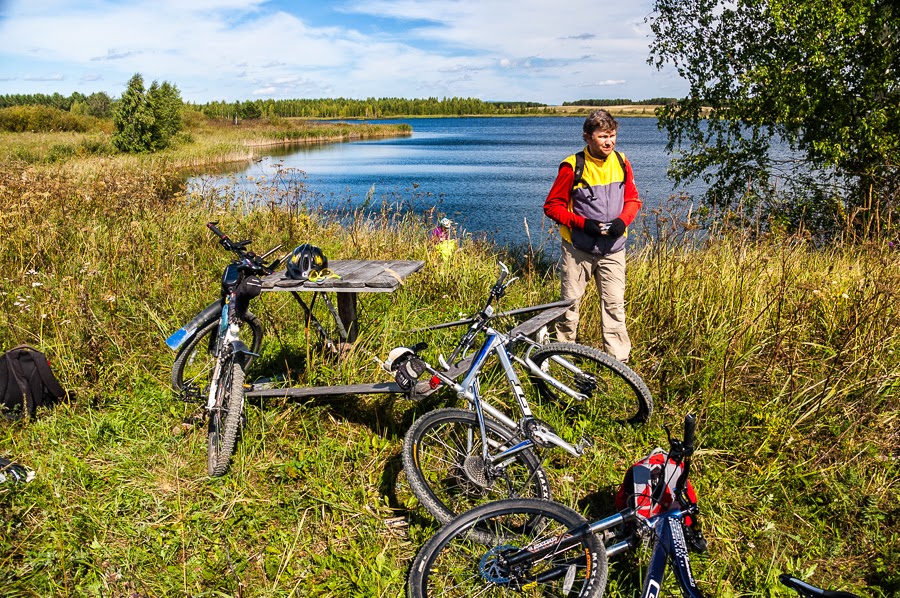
(194, 362)
(612, 387)
(448, 477)
(223, 429)
(454, 562)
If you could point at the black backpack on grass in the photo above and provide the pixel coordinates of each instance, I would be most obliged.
(26, 382)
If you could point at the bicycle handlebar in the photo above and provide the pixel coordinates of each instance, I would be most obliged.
(479, 320)
(807, 590)
(224, 240)
(683, 451)
(250, 259)
(690, 426)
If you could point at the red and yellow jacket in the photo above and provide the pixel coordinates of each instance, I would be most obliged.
(601, 195)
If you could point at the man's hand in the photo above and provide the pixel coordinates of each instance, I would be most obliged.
(594, 228)
(616, 228)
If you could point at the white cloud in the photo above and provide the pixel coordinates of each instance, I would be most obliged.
(232, 49)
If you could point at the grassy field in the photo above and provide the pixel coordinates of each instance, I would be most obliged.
(788, 354)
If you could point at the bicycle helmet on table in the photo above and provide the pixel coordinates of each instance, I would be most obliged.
(305, 260)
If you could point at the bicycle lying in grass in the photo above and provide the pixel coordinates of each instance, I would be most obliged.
(455, 459)
(536, 547)
(214, 351)
(541, 548)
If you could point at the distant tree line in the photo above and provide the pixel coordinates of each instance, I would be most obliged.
(97, 104)
(368, 108)
(623, 102)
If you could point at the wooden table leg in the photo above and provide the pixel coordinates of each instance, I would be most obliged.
(346, 303)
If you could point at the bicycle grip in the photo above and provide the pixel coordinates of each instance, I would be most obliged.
(212, 226)
(690, 425)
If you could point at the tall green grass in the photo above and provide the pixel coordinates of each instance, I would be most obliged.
(203, 142)
(788, 353)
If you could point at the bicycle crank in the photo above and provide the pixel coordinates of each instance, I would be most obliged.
(539, 432)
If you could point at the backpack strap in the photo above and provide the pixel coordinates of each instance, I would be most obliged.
(50, 381)
(15, 371)
(622, 164)
(579, 168)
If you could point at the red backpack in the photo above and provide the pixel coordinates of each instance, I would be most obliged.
(644, 477)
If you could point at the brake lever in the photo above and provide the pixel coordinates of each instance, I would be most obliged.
(509, 282)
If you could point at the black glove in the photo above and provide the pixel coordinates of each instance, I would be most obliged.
(593, 227)
(616, 228)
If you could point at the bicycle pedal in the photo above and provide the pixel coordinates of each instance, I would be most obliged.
(190, 394)
(586, 442)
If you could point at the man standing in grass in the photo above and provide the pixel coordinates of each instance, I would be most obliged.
(594, 199)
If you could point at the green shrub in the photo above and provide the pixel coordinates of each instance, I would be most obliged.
(20, 119)
(145, 121)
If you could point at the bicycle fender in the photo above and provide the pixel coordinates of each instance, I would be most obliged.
(207, 314)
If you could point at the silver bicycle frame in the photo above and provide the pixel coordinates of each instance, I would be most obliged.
(468, 389)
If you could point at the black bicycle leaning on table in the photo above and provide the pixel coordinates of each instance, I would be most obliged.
(455, 459)
(214, 350)
(537, 547)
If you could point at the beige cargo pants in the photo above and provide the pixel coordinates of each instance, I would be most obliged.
(608, 271)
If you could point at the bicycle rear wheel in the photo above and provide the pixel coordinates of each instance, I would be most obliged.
(225, 418)
(442, 458)
(458, 562)
(195, 362)
(613, 389)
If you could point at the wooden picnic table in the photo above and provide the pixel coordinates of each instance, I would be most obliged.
(356, 276)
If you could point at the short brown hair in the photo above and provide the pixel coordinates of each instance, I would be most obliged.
(599, 120)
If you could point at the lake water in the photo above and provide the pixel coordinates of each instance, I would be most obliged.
(487, 174)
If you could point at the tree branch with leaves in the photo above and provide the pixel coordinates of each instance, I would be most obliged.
(793, 110)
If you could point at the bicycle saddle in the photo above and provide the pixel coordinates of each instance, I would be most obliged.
(808, 591)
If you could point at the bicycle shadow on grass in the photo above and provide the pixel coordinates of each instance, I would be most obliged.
(388, 416)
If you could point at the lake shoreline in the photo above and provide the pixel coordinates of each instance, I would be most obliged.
(630, 111)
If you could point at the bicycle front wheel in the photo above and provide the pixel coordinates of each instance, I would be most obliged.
(225, 418)
(457, 562)
(195, 360)
(613, 390)
(442, 458)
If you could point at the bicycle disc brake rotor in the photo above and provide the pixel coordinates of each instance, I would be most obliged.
(474, 470)
(493, 567)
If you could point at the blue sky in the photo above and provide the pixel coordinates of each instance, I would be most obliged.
(529, 50)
